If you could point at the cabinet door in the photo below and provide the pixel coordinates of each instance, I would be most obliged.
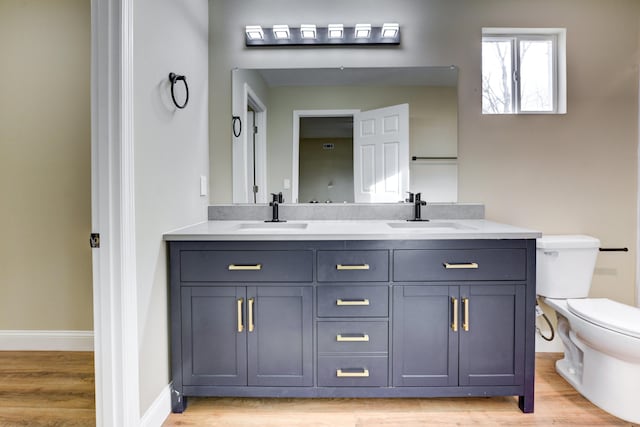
(280, 335)
(425, 345)
(214, 345)
(492, 349)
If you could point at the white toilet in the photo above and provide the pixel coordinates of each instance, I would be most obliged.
(601, 337)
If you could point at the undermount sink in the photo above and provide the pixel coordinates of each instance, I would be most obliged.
(256, 226)
(428, 225)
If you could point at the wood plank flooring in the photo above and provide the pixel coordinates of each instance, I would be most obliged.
(57, 389)
(47, 389)
(557, 404)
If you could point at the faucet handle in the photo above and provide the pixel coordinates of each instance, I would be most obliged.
(410, 198)
(277, 198)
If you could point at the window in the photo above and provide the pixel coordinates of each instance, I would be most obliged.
(523, 71)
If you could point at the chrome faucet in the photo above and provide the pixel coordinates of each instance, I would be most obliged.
(277, 199)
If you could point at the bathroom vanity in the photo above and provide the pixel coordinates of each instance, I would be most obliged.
(352, 309)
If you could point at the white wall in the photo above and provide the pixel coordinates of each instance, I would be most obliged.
(245, 83)
(571, 173)
(171, 153)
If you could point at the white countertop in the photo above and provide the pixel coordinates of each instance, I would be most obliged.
(350, 230)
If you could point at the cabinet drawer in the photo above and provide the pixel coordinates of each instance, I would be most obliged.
(353, 337)
(353, 301)
(246, 266)
(459, 264)
(353, 266)
(344, 371)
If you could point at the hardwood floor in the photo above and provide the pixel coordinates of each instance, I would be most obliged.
(57, 389)
(47, 389)
(557, 403)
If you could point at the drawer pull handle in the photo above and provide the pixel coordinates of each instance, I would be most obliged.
(237, 267)
(468, 265)
(454, 324)
(352, 301)
(351, 374)
(465, 321)
(240, 325)
(352, 266)
(352, 338)
(251, 325)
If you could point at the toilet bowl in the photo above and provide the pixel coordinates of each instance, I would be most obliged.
(601, 337)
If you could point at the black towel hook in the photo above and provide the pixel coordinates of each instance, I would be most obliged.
(173, 78)
(238, 120)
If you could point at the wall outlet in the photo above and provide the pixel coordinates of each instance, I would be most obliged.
(286, 184)
(203, 185)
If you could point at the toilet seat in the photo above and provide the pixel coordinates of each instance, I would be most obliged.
(608, 314)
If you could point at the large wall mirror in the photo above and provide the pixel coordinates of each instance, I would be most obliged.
(336, 135)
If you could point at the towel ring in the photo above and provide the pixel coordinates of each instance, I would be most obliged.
(173, 78)
(238, 120)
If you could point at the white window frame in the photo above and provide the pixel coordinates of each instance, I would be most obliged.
(515, 35)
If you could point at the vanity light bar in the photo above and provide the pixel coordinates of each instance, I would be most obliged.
(331, 35)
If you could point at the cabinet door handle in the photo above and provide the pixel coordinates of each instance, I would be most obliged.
(239, 307)
(467, 265)
(341, 301)
(244, 267)
(352, 266)
(251, 325)
(352, 374)
(352, 338)
(465, 321)
(454, 324)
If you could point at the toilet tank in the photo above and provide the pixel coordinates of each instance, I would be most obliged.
(564, 265)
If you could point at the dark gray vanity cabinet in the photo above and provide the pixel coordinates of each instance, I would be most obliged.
(256, 336)
(384, 318)
(470, 302)
(491, 335)
(247, 336)
(280, 336)
(458, 335)
(425, 346)
(212, 312)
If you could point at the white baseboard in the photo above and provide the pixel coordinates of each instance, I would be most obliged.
(159, 409)
(12, 340)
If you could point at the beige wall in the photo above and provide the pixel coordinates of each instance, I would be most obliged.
(45, 165)
(572, 173)
(326, 174)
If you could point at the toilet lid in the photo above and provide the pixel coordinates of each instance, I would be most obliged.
(608, 314)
